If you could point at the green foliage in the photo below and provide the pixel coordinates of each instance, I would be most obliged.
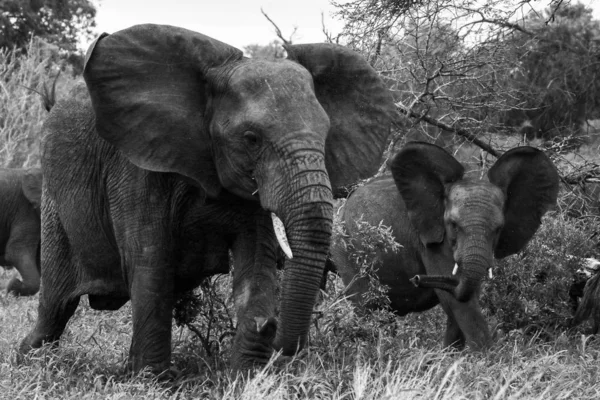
(60, 22)
(365, 247)
(22, 110)
(556, 71)
(530, 290)
(208, 312)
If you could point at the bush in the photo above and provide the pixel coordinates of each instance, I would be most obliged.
(364, 248)
(530, 290)
(208, 312)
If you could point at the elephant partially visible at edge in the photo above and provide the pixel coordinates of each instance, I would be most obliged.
(450, 229)
(20, 198)
(178, 149)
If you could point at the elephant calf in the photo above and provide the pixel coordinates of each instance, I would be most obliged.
(20, 227)
(450, 229)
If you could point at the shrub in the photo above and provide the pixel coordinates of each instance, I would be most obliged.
(530, 290)
(364, 248)
(208, 312)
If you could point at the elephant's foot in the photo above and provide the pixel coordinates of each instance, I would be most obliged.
(49, 326)
(253, 343)
(34, 341)
(454, 338)
(160, 368)
(18, 288)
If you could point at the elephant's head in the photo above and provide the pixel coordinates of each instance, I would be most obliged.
(475, 219)
(289, 134)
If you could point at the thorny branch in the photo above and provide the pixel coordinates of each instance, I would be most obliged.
(461, 132)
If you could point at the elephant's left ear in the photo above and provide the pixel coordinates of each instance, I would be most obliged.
(530, 183)
(32, 186)
(149, 90)
(360, 108)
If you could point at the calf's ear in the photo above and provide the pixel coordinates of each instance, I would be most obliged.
(421, 172)
(529, 181)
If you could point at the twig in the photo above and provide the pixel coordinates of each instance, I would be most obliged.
(278, 31)
(461, 132)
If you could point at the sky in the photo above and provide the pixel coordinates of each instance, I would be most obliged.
(236, 22)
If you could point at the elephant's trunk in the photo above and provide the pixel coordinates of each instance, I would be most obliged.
(304, 202)
(447, 283)
(471, 273)
(309, 231)
(463, 286)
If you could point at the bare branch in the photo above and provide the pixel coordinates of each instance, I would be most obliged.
(553, 13)
(461, 132)
(278, 31)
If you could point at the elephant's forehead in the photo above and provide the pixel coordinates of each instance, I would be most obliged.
(270, 79)
(475, 197)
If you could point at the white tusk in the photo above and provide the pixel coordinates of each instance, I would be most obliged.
(455, 270)
(281, 236)
(490, 275)
(256, 191)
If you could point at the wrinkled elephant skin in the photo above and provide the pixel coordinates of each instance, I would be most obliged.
(451, 228)
(20, 221)
(179, 150)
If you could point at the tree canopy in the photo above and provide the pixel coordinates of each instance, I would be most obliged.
(557, 73)
(475, 66)
(60, 22)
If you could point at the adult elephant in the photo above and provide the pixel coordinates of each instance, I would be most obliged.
(450, 229)
(20, 197)
(185, 149)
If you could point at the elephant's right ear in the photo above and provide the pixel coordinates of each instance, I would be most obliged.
(360, 107)
(32, 187)
(148, 89)
(421, 172)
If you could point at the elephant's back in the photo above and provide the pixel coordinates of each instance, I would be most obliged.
(380, 202)
(70, 148)
(377, 201)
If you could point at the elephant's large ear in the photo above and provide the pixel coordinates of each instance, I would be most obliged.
(148, 89)
(421, 172)
(360, 108)
(32, 187)
(530, 183)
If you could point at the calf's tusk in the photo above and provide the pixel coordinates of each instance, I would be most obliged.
(455, 270)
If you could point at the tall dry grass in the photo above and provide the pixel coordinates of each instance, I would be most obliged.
(21, 108)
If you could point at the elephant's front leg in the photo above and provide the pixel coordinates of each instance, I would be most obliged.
(466, 323)
(255, 294)
(151, 280)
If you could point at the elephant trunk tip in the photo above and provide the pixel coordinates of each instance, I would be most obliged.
(447, 283)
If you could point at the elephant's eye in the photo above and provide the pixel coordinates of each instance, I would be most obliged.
(252, 138)
(453, 227)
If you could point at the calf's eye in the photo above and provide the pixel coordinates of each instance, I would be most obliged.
(251, 138)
